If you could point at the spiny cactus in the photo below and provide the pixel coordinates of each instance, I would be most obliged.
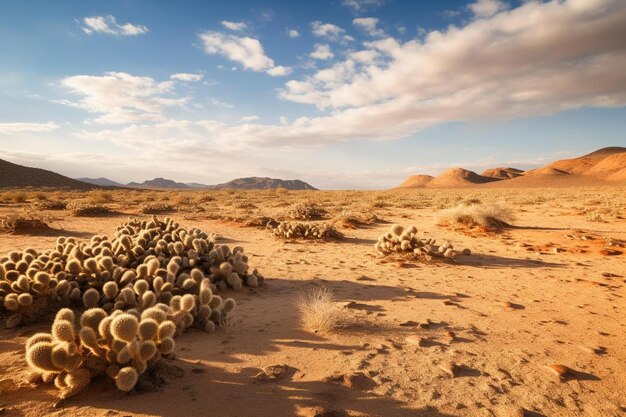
(137, 290)
(300, 230)
(406, 241)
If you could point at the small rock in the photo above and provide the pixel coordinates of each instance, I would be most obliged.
(450, 369)
(6, 385)
(356, 380)
(409, 323)
(558, 369)
(413, 340)
(273, 372)
(322, 412)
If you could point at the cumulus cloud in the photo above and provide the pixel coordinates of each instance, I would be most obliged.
(570, 54)
(321, 51)
(292, 33)
(369, 25)
(539, 58)
(108, 25)
(118, 97)
(183, 76)
(11, 128)
(487, 8)
(326, 30)
(361, 5)
(242, 49)
(236, 26)
(250, 118)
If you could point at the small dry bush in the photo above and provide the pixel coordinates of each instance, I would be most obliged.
(99, 197)
(82, 209)
(23, 222)
(494, 216)
(18, 196)
(303, 230)
(156, 208)
(319, 313)
(40, 196)
(351, 220)
(306, 211)
(52, 205)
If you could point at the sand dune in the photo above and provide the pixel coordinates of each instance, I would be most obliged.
(416, 181)
(602, 167)
(502, 173)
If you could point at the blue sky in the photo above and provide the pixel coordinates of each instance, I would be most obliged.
(341, 93)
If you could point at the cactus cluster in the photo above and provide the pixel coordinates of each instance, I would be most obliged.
(306, 211)
(82, 209)
(121, 345)
(146, 262)
(137, 291)
(302, 230)
(406, 241)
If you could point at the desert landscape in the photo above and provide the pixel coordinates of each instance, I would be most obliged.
(466, 300)
(329, 208)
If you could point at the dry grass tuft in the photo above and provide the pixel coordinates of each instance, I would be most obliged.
(494, 216)
(99, 197)
(319, 313)
(306, 211)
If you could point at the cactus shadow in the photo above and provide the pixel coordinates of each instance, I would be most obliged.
(493, 261)
(207, 390)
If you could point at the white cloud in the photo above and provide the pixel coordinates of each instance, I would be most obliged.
(322, 51)
(236, 26)
(108, 25)
(183, 76)
(369, 24)
(118, 97)
(218, 103)
(250, 118)
(10, 128)
(279, 71)
(537, 59)
(242, 49)
(326, 30)
(361, 5)
(487, 8)
(292, 33)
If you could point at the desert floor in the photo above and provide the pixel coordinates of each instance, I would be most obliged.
(469, 338)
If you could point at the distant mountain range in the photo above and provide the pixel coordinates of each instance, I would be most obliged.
(606, 165)
(250, 183)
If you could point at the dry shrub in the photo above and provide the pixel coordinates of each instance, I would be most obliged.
(52, 205)
(494, 216)
(23, 223)
(82, 209)
(302, 230)
(319, 313)
(156, 208)
(306, 211)
(18, 196)
(350, 220)
(99, 197)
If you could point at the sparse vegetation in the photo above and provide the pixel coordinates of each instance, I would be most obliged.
(23, 222)
(156, 208)
(493, 216)
(319, 313)
(405, 241)
(301, 230)
(306, 211)
(52, 205)
(82, 209)
(138, 294)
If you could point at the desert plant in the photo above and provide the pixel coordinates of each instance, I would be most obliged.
(302, 230)
(156, 208)
(405, 241)
(99, 197)
(18, 196)
(319, 313)
(52, 205)
(23, 222)
(493, 216)
(306, 211)
(82, 209)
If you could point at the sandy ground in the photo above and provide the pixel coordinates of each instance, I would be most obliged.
(515, 306)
